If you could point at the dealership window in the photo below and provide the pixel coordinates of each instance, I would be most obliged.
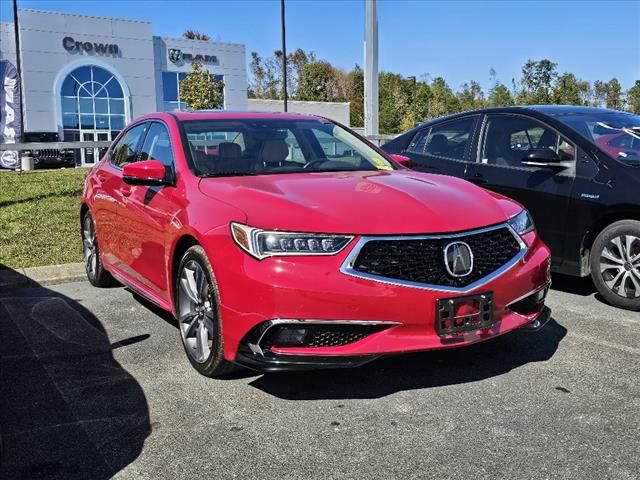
(171, 90)
(92, 99)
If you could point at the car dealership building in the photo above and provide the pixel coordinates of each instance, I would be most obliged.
(86, 77)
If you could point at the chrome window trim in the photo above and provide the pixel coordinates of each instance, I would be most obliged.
(256, 348)
(347, 266)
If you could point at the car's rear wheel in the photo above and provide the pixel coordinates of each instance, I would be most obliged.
(615, 264)
(196, 297)
(96, 274)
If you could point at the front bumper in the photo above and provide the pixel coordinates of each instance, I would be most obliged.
(269, 361)
(254, 292)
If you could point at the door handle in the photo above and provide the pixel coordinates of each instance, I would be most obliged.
(126, 190)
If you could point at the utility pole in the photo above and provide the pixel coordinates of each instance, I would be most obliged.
(284, 54)
(16, 32)
(370, 68)
(415, 98)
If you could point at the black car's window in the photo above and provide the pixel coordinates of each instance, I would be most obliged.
(124, 151)
(449, 140)
(157, 145)
(508, 139)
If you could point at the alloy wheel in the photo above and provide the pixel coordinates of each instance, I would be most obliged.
(195, 311)
(90, 247)
(620, 265)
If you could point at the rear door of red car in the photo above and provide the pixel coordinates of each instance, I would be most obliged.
(151, 209)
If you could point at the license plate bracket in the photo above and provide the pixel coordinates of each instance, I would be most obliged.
(457, 315)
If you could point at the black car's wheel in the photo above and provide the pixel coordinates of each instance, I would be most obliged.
(196, 297)
(96, 274)
(615, 264)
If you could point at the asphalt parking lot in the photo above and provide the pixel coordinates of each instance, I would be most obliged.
(95, 384)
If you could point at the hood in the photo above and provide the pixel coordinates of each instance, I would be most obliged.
(363, 202)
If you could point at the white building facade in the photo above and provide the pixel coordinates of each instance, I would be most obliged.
(86, 77)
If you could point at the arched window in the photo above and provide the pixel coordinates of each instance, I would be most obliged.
(92, 99)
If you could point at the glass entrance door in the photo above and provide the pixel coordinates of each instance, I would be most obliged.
(91, 155)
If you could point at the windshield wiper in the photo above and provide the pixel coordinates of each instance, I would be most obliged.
(228, 174)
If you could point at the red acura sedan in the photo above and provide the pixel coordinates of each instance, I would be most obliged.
(284, 241)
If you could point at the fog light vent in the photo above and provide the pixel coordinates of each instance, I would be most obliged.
(324, 335)
(531, 303)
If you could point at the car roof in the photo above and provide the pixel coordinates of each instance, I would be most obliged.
(236, 115)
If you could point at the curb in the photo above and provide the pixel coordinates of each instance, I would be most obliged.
(41, 276)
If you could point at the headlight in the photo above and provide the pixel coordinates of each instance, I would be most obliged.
(522, 223)
(264, 243)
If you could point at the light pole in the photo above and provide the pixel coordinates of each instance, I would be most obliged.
(284, 54)
(415, 97)
(370, 68)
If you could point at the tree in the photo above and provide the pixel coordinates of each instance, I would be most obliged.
(470, 97)
(568, 90)
(614, 94)
(200, 90)
(633, 98)
(536, 82)
(443, 100)
(355, 96)
(423, 100)
(195, 35)
(500, 96)
(316, 83)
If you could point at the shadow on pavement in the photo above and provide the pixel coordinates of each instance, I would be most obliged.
(576, 285)
(67, 408)
(418, 370)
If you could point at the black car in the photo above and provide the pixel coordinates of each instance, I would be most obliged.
(577, 170)
(49, 157)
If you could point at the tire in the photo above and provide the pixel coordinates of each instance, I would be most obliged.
(96, 274)
(197, 300)
(615, 264)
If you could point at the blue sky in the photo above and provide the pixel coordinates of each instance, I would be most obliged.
(459, 40)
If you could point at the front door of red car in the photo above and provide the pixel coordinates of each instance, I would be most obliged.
(111, 225)
(151, 209)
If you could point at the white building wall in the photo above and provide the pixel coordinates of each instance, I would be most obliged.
(7, 42)
(337, 111)
(231, 62)
(44, 59)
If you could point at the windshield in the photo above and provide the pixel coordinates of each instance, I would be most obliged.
(268, 146)
(616, 133)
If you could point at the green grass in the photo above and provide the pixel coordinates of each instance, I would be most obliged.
(39, 217)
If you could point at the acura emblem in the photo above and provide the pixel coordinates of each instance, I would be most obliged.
(458, 259)
(175, 55)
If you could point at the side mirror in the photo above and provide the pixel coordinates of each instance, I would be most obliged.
(543, 157)
(401, 159)
(147, 172)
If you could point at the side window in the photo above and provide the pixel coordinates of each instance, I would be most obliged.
(157, 145)
(419, 142)
(508, 139)
(450, 140)
(125, 150)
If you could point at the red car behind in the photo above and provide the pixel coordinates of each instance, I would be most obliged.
(283, 241)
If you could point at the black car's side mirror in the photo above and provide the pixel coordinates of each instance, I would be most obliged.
(543, 157)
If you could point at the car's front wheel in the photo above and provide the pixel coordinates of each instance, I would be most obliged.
(615, 264)
(96, 274)
(196, 298)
